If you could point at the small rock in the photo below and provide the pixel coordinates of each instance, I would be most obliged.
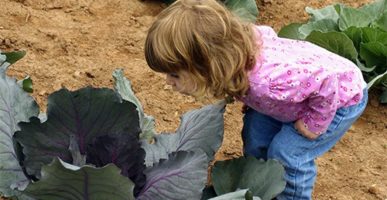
(88, 74)
(373, 189)
(167, 87)
(163, 112)
(167, 119)
(7, 42)
(42, 93)
(13, 40)
(190, 100)
(352, 129)
(77, 74)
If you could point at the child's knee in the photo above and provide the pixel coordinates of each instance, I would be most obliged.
(284, 152)
(254, 150)
(280, 153)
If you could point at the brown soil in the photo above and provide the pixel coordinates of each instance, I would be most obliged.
(76, 43)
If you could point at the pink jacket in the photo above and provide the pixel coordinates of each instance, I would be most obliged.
(299, 80)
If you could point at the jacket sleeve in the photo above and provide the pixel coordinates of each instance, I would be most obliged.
(316, 89)
(323, 105)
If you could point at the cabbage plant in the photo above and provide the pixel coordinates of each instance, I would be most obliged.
(93, 143)
(358, 34)
(247, 10)
(97, 143)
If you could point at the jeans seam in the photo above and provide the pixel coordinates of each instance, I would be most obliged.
(303, 178)
(295, 178)
(341, 119)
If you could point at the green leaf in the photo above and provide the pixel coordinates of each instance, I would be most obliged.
(382, 22)
(374, 54)
(290, 31)
(328, 12)
(383, 97)
(324, 25)
(16, 106)
(168, 1)
(237, 195)
(61, 180)
(124, 88)
(245, 9)
(264, 179)
(377, 80)
(363, 68)
(12, 57)
(375, 9)
(335, 42)
(374, 35)
(356, 35)
(353, 17)
(26, 84)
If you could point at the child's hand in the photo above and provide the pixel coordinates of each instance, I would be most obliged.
(301, 128)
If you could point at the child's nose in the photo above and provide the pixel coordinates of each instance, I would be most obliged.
(169, 80)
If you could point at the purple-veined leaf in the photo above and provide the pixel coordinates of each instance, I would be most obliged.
(61, 180)
(124, 88)
(124, 151)
(84, 114)
(15, 106)
(182, 176)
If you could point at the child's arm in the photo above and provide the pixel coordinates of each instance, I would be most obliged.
(315, 89)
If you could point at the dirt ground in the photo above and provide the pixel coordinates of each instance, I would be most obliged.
(76, 43)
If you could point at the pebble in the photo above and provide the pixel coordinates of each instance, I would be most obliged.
(77, 74)
(373, 189)
(88, 74)
(42, 93)
(167, 119)
(167, 87)
(7, 42)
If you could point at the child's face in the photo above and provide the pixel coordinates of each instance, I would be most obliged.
(181, 82)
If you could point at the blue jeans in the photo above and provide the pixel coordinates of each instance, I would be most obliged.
(267, 138)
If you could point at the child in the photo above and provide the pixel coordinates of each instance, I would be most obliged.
(301, 98)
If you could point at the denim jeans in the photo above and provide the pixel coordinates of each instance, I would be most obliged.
(267, 138)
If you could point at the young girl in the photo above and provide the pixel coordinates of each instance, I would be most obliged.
(301, 97)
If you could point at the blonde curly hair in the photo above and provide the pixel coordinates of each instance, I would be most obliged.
(205, 39)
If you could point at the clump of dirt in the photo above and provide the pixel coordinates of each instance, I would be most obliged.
(73, 44)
